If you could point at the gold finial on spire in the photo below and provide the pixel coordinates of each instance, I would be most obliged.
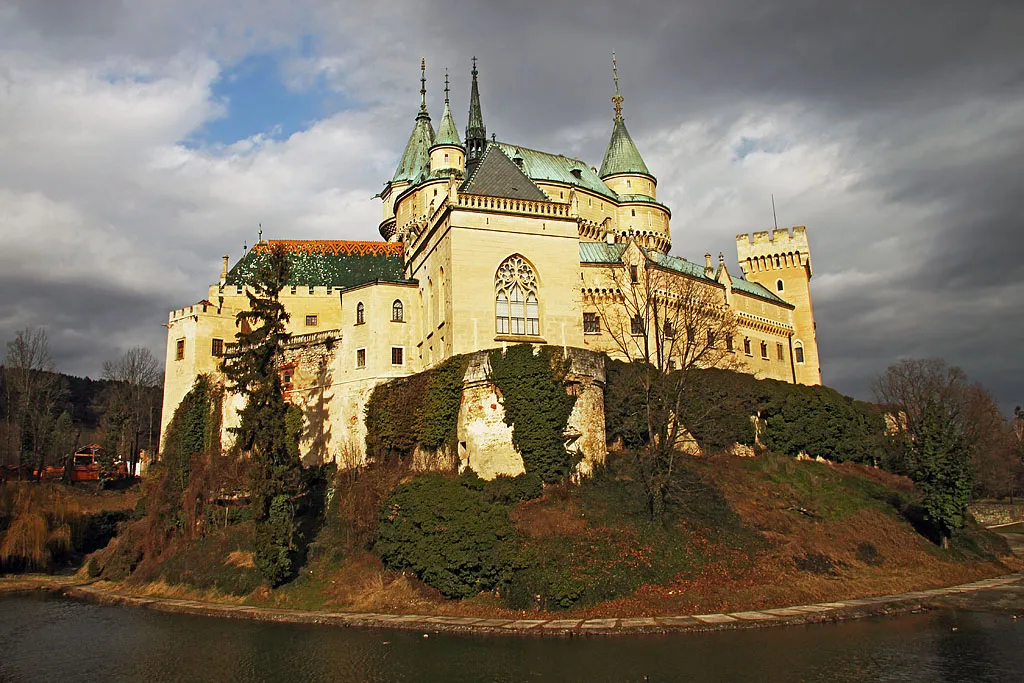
(616, 98)
(423, 83)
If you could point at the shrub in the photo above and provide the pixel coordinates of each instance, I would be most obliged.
(276, 542)
(446, 532)
(510, 490)
(537, 407)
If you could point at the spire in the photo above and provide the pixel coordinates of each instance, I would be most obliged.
(447, 131)
(622, 156)
(416, 157)
(476, 133)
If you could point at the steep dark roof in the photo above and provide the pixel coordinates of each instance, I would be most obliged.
(498, 176)
(330, 263)
(556, 167)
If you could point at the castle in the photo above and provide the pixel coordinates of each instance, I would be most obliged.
(489, 243)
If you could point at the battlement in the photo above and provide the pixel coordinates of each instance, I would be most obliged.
(773, 250)
(775, 241)
(201, 308)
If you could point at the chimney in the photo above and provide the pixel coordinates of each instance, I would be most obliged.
(224, 270)
(708, 270)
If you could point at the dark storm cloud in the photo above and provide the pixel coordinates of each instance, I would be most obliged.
(919, 103)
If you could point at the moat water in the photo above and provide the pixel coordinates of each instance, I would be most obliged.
(52, 639)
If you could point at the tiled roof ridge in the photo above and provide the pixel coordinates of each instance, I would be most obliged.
(540, 151)
(335, 247)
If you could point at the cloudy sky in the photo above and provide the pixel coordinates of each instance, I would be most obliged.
(140, 141)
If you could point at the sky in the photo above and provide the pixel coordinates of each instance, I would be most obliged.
(141, 141)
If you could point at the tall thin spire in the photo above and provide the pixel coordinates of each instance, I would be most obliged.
(446, 86)
(476, 133)
(616, 98)
(423, 84)
(447, 131)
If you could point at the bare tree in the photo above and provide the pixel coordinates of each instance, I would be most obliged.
(666, 324)
(34, 390)
(940, 420)
(130, 403)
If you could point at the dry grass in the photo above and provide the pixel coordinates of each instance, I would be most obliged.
(40, 528)
(241, 559)
(549, 517)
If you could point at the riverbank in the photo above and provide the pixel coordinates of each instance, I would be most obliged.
(1005, 593)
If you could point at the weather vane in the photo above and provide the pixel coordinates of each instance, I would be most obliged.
(616, 98)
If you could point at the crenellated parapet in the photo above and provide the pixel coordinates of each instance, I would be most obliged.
(774, 250)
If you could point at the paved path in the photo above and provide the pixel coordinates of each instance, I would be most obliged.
(795, 614)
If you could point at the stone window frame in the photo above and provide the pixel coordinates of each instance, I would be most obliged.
(360, 313)
(397, 311)
(312, 320)
(591, 323)
(764, 350)
(400, 356)
(516, 291)
(780, 351)
(216, 347)
(361, 358)
(798, 352)
(179, 349)
(780, 286)
(746, 347)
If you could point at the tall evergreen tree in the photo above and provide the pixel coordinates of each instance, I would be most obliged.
(251, 367)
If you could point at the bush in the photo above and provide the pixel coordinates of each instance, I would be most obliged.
(537, 407)
(510, 490)
(446, 532)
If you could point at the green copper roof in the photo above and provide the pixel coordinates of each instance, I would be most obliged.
(557, 168)
(327, 263)
(416, 159)
(755, 289)
(600, 252)
(622, 155)
(447, 133)
(680, 265)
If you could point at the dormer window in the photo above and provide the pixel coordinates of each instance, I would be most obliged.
(577, 173)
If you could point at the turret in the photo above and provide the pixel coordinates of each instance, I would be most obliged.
(781, 262)
(414, 165)
(476, 133)
(447, 152)
(623, 169)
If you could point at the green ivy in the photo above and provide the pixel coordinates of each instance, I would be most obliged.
(422, 409)
(537, 407)
(194, 428)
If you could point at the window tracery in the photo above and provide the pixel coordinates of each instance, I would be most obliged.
(516, 307)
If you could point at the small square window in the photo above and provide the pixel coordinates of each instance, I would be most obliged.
(179, 350)
(591, 323)
(217, 348)
(360, 358)
(397, 355)
(311, 320)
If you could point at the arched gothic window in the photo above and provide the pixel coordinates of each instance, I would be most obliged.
(397, 311)
(360, 313)
(516, 308)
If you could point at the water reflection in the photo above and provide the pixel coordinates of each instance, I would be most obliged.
(44, 639)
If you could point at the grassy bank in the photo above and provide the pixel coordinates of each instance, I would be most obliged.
(740, 534)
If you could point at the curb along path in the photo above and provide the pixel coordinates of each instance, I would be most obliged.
(797, 614)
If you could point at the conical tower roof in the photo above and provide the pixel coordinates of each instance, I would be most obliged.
(622, 156)
(416, 157)
(447, 132)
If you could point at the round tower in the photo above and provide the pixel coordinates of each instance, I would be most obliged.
(447, 153)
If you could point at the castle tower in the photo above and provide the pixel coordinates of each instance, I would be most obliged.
(447, 152)
(623, 169)
(781, 262)
(414, 165)
(476, 133)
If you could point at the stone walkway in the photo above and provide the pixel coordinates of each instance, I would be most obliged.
(796, 614)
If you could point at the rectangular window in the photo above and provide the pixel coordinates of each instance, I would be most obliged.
(728, 343)
(311, 320)
(636, 325)
(532, 316)
(397, 355)
(360, 358)
(779, 350)
(799, 354)
(293, 289)
(517, 311)
(764, 350)
(746, 347)
(217, 348)
(669, 329)
(634, 275)
(179, 350)
(591, 323)
(501, 314)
